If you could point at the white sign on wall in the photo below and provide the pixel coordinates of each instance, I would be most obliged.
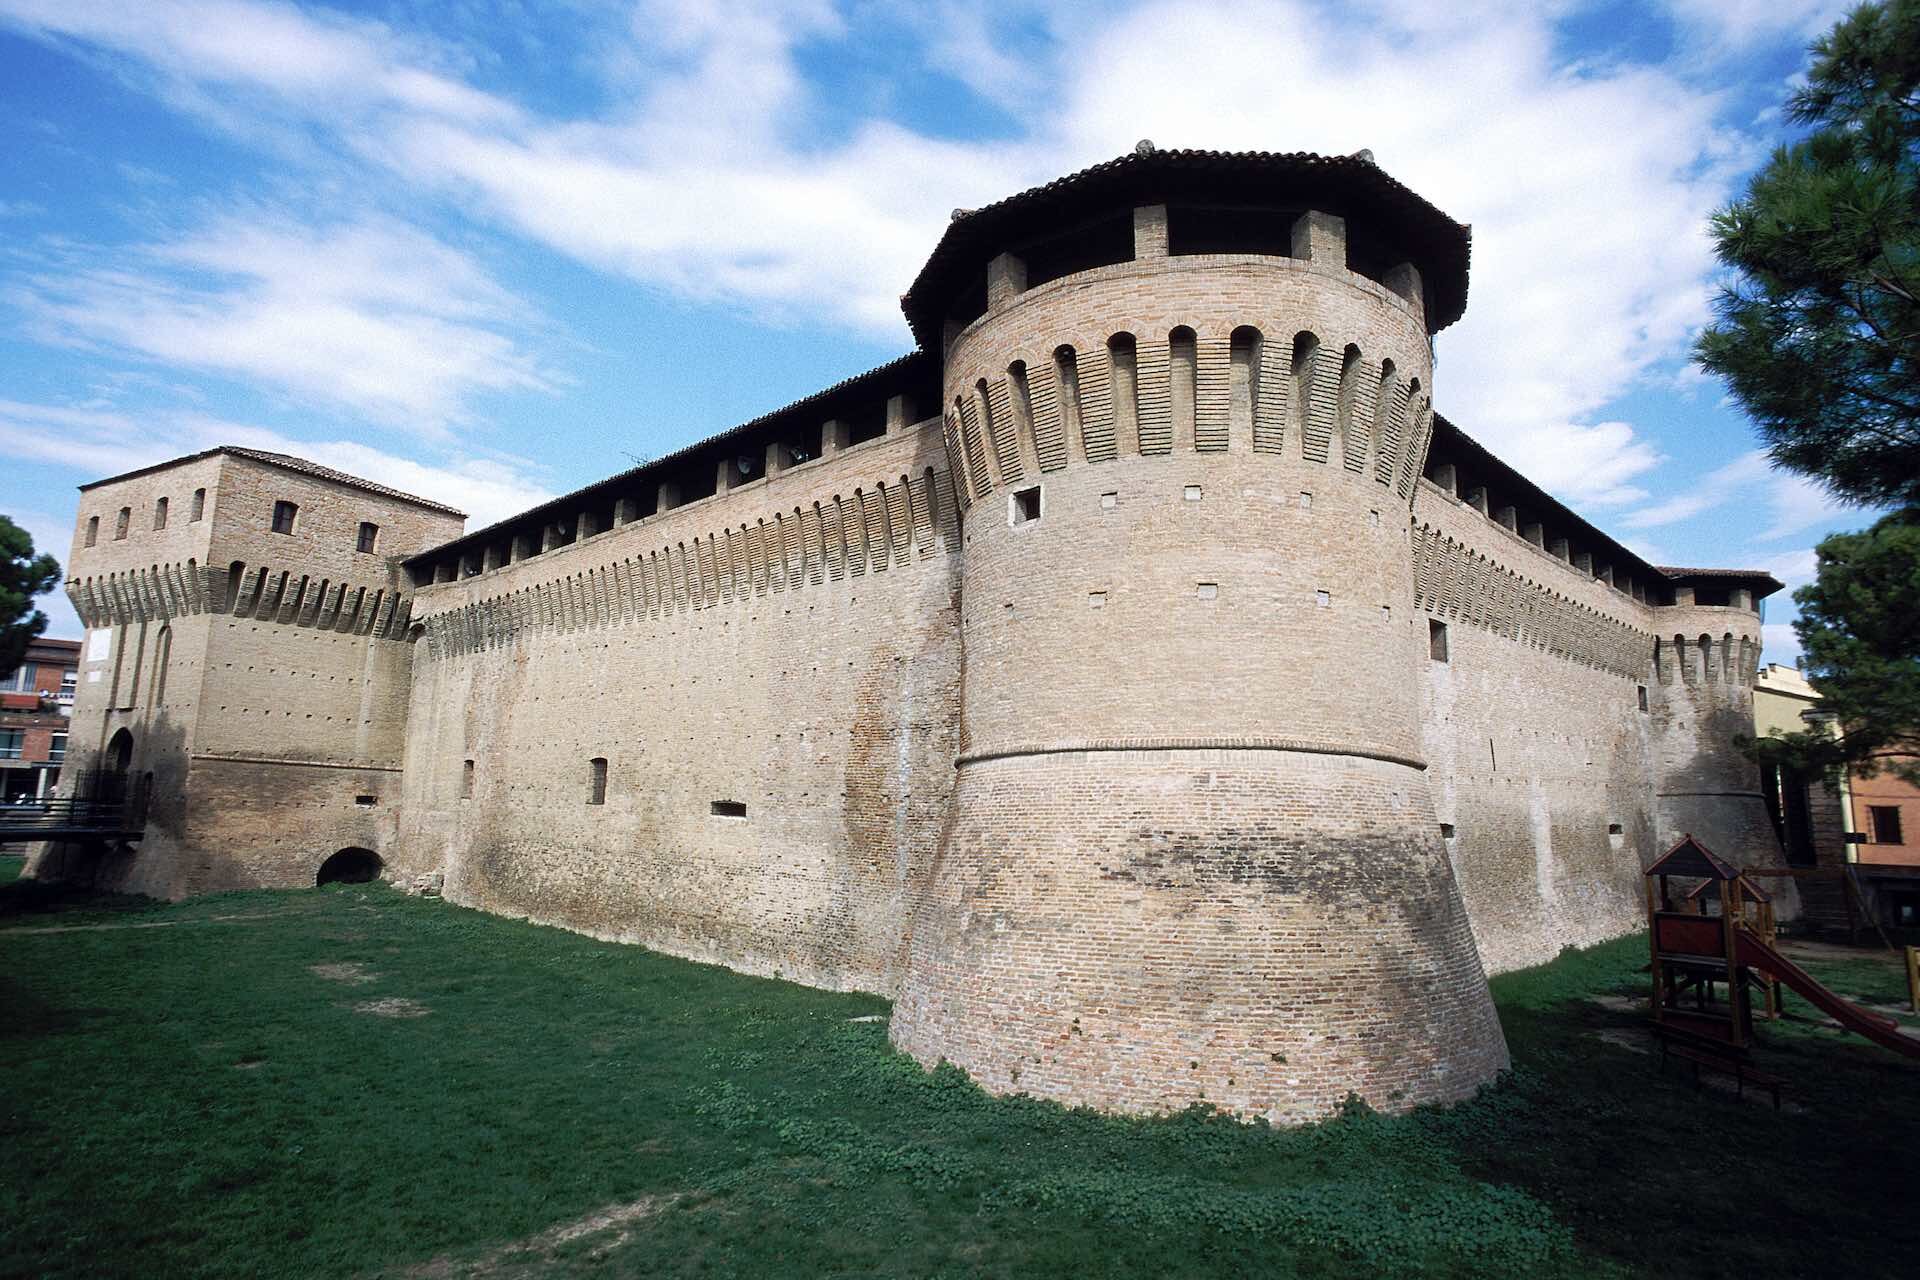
(99, 644)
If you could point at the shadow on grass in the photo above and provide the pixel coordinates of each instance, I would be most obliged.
(1656, 1173)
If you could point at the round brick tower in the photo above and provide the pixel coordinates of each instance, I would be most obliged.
(1192, 854)
(1706, 657)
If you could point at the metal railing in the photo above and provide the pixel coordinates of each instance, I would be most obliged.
(101, 804)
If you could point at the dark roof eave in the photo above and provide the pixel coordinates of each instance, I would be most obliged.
(1447, 243)
(899, 366)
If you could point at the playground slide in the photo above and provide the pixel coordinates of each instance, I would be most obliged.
(1880, 1030)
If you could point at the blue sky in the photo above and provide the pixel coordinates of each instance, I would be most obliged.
(488, 251)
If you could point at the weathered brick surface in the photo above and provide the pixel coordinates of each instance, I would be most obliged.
(1093, 716)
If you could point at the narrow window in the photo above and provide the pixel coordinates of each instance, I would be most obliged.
(1192, 493)
(1243, 381)
(1323, 599)
(1643, 696)
(1446, 831)
(366, 802)
(93, 530)
(1615, 829)
(1437, 640)
(159, 513)
(1108, 501)
(121, 521)
(1123, 355)
(1306, 501)
(597, 780)
(1886, 823)
(199, 507)
(1096, 599)
(1208, 590)
(729, 809)
(1023, 505)
(284, 514)
(466, 780)
(369, 537)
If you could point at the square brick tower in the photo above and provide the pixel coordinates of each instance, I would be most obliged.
(245, 671)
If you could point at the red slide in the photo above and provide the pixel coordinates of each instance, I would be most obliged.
(1881, 1030)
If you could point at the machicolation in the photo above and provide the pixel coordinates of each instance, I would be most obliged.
(1139, 682)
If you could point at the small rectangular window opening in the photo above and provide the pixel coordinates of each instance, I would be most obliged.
(729, 809)
(1208, 590)
(120, 523)
(1437, 640)
(159, 513)
(1024, 505)
(1885, 819)
(199, 507)
(1192, 493)
(1096, 599)
(284, 514)
(93, 530)
(369, 537)
(1643, 695)
(1306, 501)
(366, 802)
(1615, 829)
(597, 782)
(1323, 599)
(466, 780)
(1108, 501)
(1446, 831)
(1373, 519)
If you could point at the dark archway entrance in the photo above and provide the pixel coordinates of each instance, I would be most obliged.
(110, 781)
(350, 866)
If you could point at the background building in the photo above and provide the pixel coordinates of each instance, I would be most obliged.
(36, 701)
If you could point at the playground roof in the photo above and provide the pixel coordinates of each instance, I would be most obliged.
(1706, 887)
(1689, 857)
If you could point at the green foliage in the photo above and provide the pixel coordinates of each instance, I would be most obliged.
(188, 1096)
(23, 575)
(1859, 626)
(1819, 336)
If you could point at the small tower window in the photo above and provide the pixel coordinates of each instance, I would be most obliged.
(1437, 640)
(1023, 505)
(199, 507)
(93, 530)
(466, 780)
(159, 513)
(1643, 696)
(369, 537)
(284, 514)
(121, 521)
(597, 780)
(729, 809)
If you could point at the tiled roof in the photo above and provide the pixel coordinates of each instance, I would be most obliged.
(1153, 175)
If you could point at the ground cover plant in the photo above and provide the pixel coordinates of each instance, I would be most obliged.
(352, 1082)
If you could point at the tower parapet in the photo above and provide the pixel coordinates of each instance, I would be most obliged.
(1706, 655)
(1192, 852)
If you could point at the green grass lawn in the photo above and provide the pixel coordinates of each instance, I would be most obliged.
(198, 1098)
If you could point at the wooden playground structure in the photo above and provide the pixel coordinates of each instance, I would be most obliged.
(1720, 934)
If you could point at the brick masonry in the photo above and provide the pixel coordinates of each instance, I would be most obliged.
(1092, 716)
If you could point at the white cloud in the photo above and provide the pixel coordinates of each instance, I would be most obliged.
(1793, 568)
(1712, 490)
(1588, 186)
(95, 443)
(372, 315)
(1735, 26)
(1799, 503)
(1779, 644)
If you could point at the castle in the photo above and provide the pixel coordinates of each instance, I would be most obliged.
(1138, 682)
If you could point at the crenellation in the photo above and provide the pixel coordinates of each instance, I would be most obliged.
(1161, 656)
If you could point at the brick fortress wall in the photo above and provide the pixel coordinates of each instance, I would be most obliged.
(789, 646)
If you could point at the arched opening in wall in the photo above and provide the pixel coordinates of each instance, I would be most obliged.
(349, 866)
(1352, 446)
(159, 513)
(1660, 661)
(1066, 370)
(1728, 668)
(121, 521)
(199, 508)
(1306, 349)
(1021, 393)
(1706, 658)
(1124, 354)
(236, 576)
(110, 783)
(1000, 438)
(1243, 381)
(1183, 358)
(597, 780)
(93, 530)
(1385, 431)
